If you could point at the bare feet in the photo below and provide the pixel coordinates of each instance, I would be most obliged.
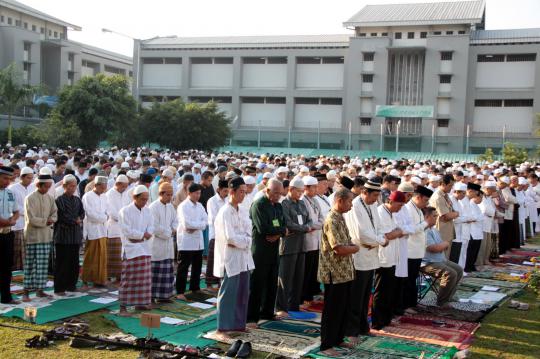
(61, 294)
(123, 312)
(281, 315)
(331, 353)
(14, 302)
(252, 325)
(143, 307)
(26, 298)
(222, 335)
(42, 294)
(347, 345)
(352, 340)
(84, 287)
(181, 297)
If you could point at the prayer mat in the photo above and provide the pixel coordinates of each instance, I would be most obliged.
(200, 296)
(451, 313)
(438, 322)
(189, 334)
(480, 282)
(183, 308)
(392, 348)
(269, 341)
(291, 326)
(315, 306)
(430, 300)
(528, 253)
(61, 309)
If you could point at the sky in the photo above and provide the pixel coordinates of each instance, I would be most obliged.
(145, 19)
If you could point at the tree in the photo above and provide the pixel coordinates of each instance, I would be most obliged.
(488, 156)
(513, 155)
(58, 132)
(101, 108)
(180, 125)
(14, 93)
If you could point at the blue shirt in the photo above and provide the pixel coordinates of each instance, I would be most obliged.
(8, 204)
(433, 237)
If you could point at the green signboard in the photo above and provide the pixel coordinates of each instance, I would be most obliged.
(404, 111)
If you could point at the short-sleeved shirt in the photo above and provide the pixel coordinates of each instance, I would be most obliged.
(8, 204)
(334, 269)
(433, 237)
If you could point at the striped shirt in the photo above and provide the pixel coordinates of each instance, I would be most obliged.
(66, 230)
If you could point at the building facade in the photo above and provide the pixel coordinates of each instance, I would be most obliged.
(38, 43)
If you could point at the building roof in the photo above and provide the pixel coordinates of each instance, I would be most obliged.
(248, 41)
(30, 11)
(484, 37)
(440, 13)
(99, 52)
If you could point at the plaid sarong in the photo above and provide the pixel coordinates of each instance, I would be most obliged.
(162, 279)
(36, 265)
(19, 249)
(114, 257)
(136, 284)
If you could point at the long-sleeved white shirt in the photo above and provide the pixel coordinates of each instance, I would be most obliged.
(134, 223)
(165, 222)
(403, 220)
(415, 228)
(115, 202)
(477, 226)
(95, 219)
(311, 242)
(488, 210)
(232, 253)
(191, 216)
(387, 255)
(462, 228)
(522, 212)
(21, 193)
(510, 201)
(213, 206)
(363, 231)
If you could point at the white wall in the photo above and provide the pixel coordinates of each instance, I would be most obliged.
(319, 76)
(368, 66)
(445, 87)
(492, 119)
(443, 106)
(225, 107)
(366, 105)
(308, 116)
(505, 74)
(87, 71)
(264, 76)
(269, 115)
(446, 66)
(212, 75)
(367, 86)
(162, 75)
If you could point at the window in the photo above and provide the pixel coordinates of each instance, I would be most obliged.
(152, 98)
(397, 35)
(279, 100)
(461, 32)
(17, 22)
(368, 56)
(50, 32)
(373, 34)
(423, 34)
(362, 34)
(34, 28)
(71, 78)
(10, 21)
(252, 99)
(56, 34)
(27, 51)
(442, 122)
(490, 58)
(331, 101)
(446, 55)
(277, 60)
(520, 57)
(26, 71)
(365, 121)
(445, 79)
(152, 60)
(1, 18)
(449, 33)
(519, 103)
(131, 74)
(223, 60)
(201, 99)
(306, 101)
(384, 34)
(368, 78)
(410, 35)
(488, 103)
(42, 30)
(308, 60)
(333, 60)
(201, 60)
(436, 32)
(173, 60)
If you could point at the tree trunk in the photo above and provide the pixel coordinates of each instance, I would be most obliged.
(9, 128)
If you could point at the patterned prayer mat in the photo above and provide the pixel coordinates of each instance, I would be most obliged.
(480, 282)
(392, 348)
(292, 326)
(185, 309)
(270, 341)
(316, 306)
(451, 313)
(430, 321)
(430, 300)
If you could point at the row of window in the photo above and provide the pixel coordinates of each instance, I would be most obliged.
(506, 58)
(258, 100)
(10, 21)
(504, 103)
(441, 122)
(412, 34)
(245, 60)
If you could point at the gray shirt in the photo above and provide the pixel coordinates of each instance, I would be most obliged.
(298, 222)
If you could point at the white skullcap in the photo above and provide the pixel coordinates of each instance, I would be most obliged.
(248, 180)
(434, 178)
(423, 175)
(304, 169)
(282, 169)
(140, 189)
(460, 186)
(167, 173)
(297, 183)
(50, 161)
(69, 178)
(132, 174)
(490, 184)
(479, 176)
(45, 171)
(197, 165)
(122, 179)
(124, 165)
(505, 179)
(416, 180)
(394, 173)
(26, 171)
(522, 181)
(101, 180)
(310, 181)
(331, 175)
(267, 175)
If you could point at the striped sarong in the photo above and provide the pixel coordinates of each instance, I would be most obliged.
(114, 257)
(232, 303)
(162, 279)
(36, 266)
(95, 262)
(136, 284)
(19, 249)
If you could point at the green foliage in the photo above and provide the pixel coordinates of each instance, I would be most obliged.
(179, 125)
(99, 108)
(488, 156)
(513, 155)
(29, 135)
(58, 132)
(13, 93)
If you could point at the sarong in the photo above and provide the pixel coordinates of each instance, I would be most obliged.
(114, 257)
(233, 303)
(19, 249)
(162, 279)
(136, 284)
(36, 265)
(95, 262)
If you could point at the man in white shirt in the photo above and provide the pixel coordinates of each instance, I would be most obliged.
(462, 224)
(161, 244)
(117, 198)
(233, 260)
(385, 279)
(364, 227)
(192, 221)
(213, 206)
(95, 231)
(477, 220)
(508, 238)
(137, 228)
(490, 226)
(21, 190)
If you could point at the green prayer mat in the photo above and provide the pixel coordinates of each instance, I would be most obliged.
(183, 308)
(190, 334)
(61, 309)
(295, 327)
(391, 348)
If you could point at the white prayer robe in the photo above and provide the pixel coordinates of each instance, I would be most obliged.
(416, 227)
(95, 219)
(21, 193)
(232, 253)
(115, 202)
(165, 222)
(387, 255)
(213, 206)
(191, 216)
(312, 240)
(134, 223)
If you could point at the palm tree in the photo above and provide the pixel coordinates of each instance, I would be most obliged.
(14, 93)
